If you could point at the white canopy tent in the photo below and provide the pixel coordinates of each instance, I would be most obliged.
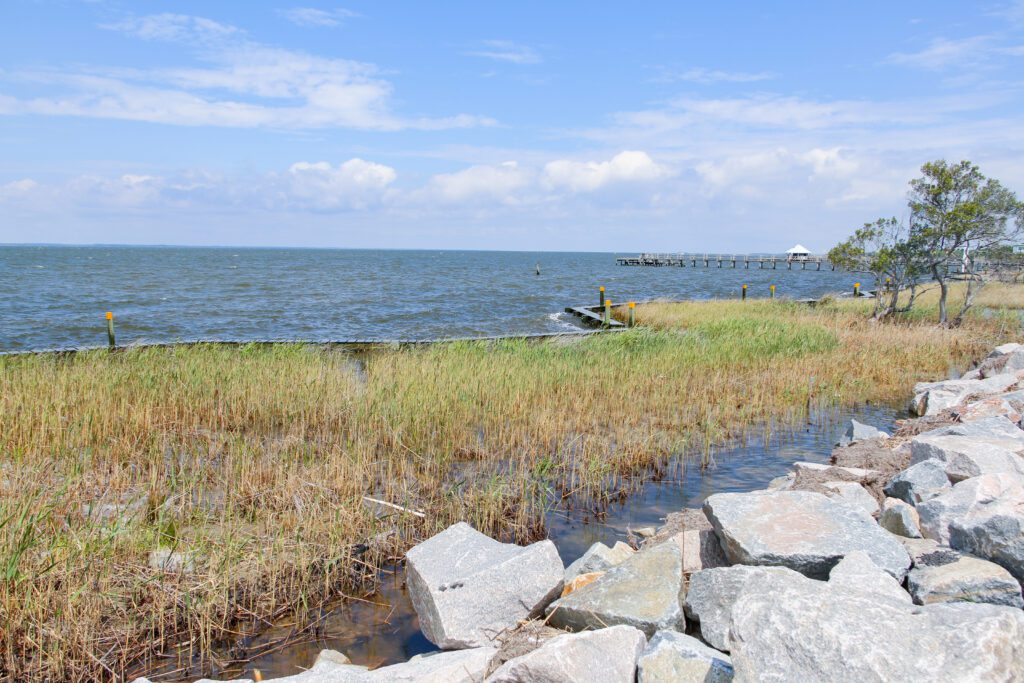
(799, 250)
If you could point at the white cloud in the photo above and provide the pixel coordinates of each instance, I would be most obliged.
(318, 18)
(962, 53)
(244, 84)
(588, 176)
(706, 76)
(497, 183)
(354, 184)
(507, 51)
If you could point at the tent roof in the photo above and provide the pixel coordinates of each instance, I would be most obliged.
(798, 249)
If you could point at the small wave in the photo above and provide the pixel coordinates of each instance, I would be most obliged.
(564, 321)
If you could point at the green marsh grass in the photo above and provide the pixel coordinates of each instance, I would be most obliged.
(255, 460)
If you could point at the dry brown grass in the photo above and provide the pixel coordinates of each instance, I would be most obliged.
(256, 459)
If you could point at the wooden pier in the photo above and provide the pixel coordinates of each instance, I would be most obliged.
(763, 261)
(593, 316)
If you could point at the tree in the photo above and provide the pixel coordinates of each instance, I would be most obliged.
(956, 215)
(882, 250)
(956, 211)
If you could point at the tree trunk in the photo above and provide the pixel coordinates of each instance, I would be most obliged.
(943, 293)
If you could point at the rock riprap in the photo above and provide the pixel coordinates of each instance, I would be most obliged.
(971, 497)
(900, 518)
(858, 431)
(673, 657)
(711, 595)
(949, 576)
(918, 482)
(963, 457)
(802, 530)
(931, 398)
(609, 654)
(791, 628)
(645, 592)
(598, 558)
(993, 528)
(467, 588)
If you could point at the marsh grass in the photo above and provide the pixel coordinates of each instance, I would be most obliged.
(255, 460)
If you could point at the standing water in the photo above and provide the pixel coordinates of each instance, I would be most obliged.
(382, 628)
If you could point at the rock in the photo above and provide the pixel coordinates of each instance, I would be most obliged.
(931, 398)
(580, 581)
(993, 527)
(996, 428)
(919, 547)
(964, 457)
(711, 596)
(645, 531)
(950, 576)
(852, 493)
(609, 654)
(958, 502)
(673, 657)
(460, 666)
(1003, 359)
(858, 431)
(900, 518)
(919, 482)
(985, 408)
(790, 628)
(332, 657)
(467, 588)
(701, 550)
(783, 483)
(856, 572)
(172, 561)
(132, 506)
(856, 473)
(645, 591)
(598, 558)
(801, 530)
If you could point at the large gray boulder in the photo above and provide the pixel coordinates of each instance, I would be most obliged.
(998, 428)
(801, 530)
(856, 572)
(646, 591)
(712, 594)
(958, 502)
(790, 628)
(919, 482)
(993, 528)
(900, 518)
(459, 666)
(931, 398)
(673, 657)
(701, 550)
(1007, 358)
(858, 431)
(949, 576)
(609, 654)
(598, 558)
(467, 588)
(964, 457)
(851, 493)
(985, 408)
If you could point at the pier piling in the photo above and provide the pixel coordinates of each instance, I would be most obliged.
(110, 330)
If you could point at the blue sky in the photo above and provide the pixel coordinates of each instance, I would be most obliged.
(530, 125)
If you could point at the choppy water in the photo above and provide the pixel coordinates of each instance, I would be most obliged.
(56, 297)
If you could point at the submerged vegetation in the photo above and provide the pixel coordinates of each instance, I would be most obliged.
(254, 463)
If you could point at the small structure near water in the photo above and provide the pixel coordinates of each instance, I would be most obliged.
(798, 253)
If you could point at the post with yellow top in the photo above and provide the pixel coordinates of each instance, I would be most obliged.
(772, 290)
(110, 330)
(607, 312)
(600, 296)
(856, 289)
(743, 293)
(632, 314)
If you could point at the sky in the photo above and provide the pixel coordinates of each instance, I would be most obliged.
(627, 127)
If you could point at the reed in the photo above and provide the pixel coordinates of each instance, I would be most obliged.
(254, 461)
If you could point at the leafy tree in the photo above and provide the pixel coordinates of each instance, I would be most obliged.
(956, 215)
(956, 211)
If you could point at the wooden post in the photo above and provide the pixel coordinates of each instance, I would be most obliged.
(600, 296)
(110, 330)
(856, 289)
(607, 312)
(632, 314)
(743, 296)
(772, 290)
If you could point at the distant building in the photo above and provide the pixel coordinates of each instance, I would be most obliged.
(798, 253)
(1018, 249)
